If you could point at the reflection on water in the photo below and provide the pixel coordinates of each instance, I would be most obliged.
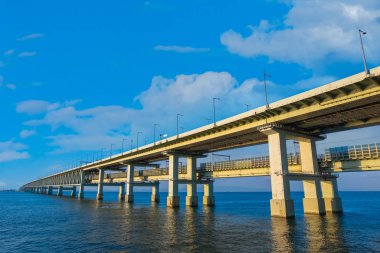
(40, 223)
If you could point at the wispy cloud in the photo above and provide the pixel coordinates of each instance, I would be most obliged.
(9, 52)
(10, 151)
(11, 86)
(27, 54)
(180, 49)
(27, 133)
(31, 36)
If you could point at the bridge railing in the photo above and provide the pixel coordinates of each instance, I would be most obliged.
(355, 152)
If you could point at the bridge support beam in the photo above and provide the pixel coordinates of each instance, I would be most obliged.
(74, 191)
(313, 202)
(173, 198)
(130, 180)
(81, 186)
(50, 190)
(122, 192)
(155, 192)
(191, 198)
(99, 195)
(208, 194)
(60, 190)
(281, 204)
(333, 203)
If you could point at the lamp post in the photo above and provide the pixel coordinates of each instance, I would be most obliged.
(361, 32)
(137, 141)
(208, 120)
(101, 153)
(131, 145)
(122, 146)
(154, 133)
(213, 106)
(248, 106)
(111, 150)
(178, 115)
(265, 87)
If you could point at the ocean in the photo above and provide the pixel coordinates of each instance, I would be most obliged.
(240, 222)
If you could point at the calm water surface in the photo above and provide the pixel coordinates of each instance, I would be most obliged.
(239, 223)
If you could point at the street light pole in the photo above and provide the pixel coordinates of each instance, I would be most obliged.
(122, 146)
(248, 106)
(178, 115)
(154, 133)
(208, 120)
(111, 150)
(137, 143)
(265, 87)
(366, 70)
(213, 106)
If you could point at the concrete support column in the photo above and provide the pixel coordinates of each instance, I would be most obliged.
(333, 203)
(208, 194)
(313, 202)
(281, 204)
(122, 192)
(74, 191)
(81, 186)
(130, 180)
(60, 191)
(191, 198)
(173, 198)
(155, 192)
(50, 190)
(99, 196)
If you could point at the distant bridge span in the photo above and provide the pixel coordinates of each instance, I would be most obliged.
(349, 103)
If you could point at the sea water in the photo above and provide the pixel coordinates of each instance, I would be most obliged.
(240, 222)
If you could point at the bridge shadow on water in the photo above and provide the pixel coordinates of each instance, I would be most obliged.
(239, 223)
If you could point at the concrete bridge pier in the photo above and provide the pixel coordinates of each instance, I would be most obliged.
(129, 197)
(155, 192)
(122, 192)
(99, 195)
(281, 204)
(74, 191)
(208, 194)
(333, 203)
(173, 198)
(313, 202)
(50, 190)
(60, 190)
(81, 186)
(191, 198)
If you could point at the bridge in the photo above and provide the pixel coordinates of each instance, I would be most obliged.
(349, 103)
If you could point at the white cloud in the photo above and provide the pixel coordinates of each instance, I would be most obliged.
(313, 32)
(90, 129)
(27, 54)
(9, 52)
(10, 151)
(180, 49)
(11, 86)
(35, 106)
(27, 133)
(31, 36)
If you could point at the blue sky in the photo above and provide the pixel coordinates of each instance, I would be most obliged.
(78, 76)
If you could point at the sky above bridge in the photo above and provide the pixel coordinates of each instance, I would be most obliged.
(79, 76)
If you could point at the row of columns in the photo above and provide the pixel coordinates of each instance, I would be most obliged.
(48, 190)
(321, 194)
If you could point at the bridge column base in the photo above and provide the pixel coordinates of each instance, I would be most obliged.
(192, 201)
(60, 189)
(208, 201)
(74, 192)
(121, 197)
(282, 208)
(129, 198)
(314, 206)
(80, 195)
(172, 201)
(333, 205)
(99, 196)
(155, 198)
